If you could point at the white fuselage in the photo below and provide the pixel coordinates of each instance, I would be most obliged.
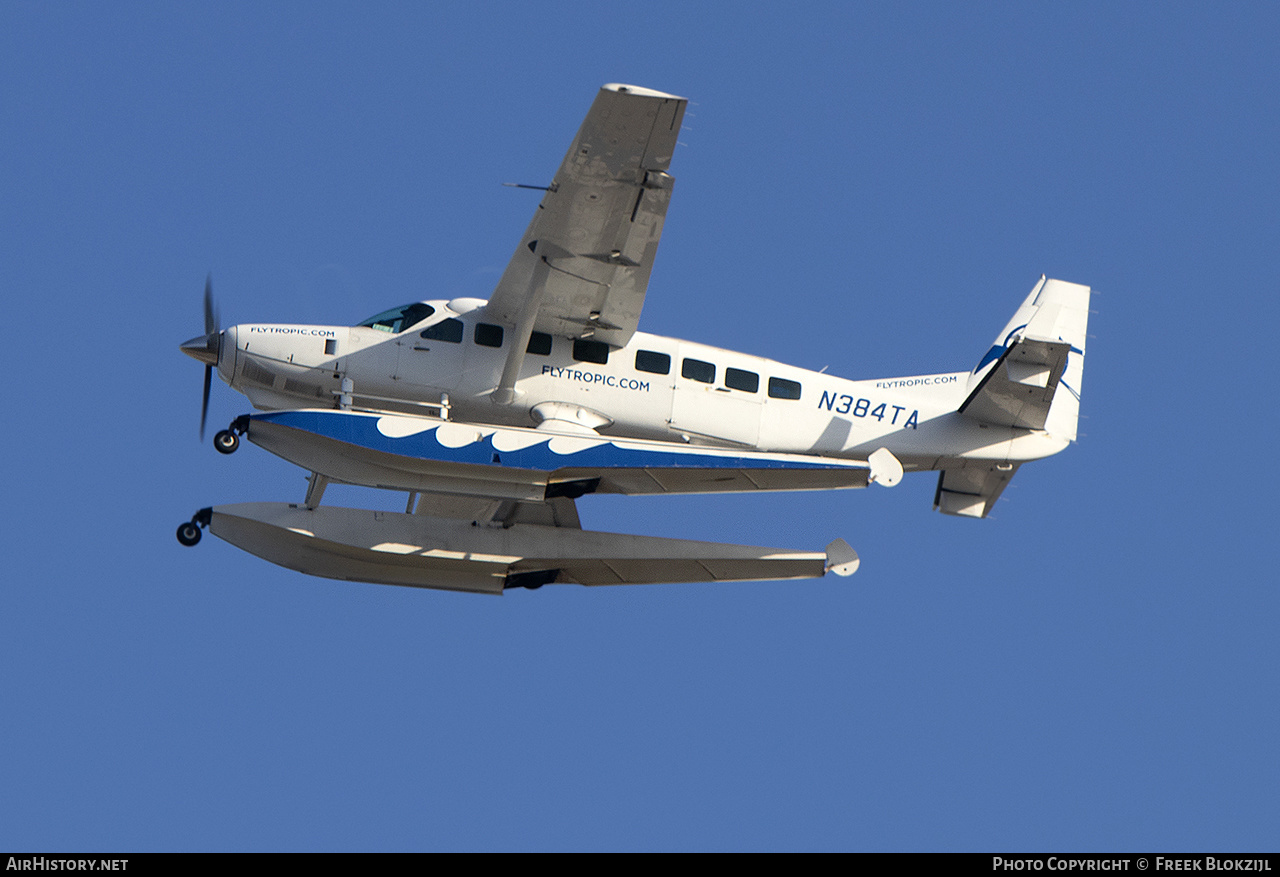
(654, 387)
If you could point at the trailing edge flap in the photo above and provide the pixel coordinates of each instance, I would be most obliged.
(583, 264)
(972, 491)
(1019, 389)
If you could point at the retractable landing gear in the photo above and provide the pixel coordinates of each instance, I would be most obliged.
(227, 440)
(189, 533)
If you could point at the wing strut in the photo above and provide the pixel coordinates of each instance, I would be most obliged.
(506, 393)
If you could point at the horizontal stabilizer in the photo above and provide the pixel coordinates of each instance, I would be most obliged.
(449, 554)
(971, 491)
(1021, 387)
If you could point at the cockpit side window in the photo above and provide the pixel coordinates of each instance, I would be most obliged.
(446, 330)
(399, 319)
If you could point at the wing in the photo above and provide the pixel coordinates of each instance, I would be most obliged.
(582, 267)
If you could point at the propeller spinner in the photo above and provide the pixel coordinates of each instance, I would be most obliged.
(206, 347)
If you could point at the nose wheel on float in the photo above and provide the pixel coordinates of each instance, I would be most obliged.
(227, 440)
(189, 532)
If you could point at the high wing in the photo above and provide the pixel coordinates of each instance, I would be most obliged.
(582, 267)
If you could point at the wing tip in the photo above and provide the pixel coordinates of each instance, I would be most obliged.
(640, 91)
(842, 559)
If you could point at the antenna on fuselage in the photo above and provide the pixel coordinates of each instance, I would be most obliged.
(527, 186)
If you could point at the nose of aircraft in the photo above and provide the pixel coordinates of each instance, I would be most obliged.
(203, 347)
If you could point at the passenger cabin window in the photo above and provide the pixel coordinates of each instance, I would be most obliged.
(737, 379)
(781, 388)
(697, 370)
(539, 343)
(446, 330)
(591, 351)
(488, 335)
(399, 319)
(653, 362)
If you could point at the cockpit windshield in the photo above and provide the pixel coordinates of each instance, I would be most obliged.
(399, 319)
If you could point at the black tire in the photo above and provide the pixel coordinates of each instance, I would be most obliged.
(226, 442)
(188, 534)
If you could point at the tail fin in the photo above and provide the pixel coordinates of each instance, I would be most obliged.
(1030, 378)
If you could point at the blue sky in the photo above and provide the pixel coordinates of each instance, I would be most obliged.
(869, 187)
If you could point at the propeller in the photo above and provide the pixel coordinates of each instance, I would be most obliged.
(206, 348)
(204, 404)
(210, 310)
(210, 328)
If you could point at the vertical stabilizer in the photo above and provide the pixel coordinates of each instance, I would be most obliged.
(1031, 376)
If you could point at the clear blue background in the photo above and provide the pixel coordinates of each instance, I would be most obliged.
(869, 187)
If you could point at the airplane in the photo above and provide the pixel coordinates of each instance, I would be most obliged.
(494, 417)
